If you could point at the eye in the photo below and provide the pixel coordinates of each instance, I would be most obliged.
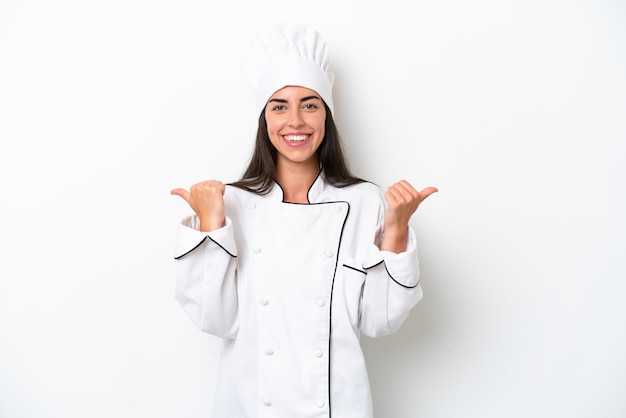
(310, 106)
(278, 108)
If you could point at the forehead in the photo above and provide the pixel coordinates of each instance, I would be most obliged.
(294, 92)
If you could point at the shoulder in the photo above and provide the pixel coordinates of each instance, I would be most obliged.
(365, 188)
(234, 194)
(362, 193)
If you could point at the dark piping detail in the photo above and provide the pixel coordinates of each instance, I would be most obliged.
(307, 192)
(355, 269)
(311, 186)
(200, 243)
(330, 318)
(390, 276)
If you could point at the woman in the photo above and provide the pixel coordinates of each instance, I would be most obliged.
(289, 264)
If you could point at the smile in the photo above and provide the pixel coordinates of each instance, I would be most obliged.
(296, 138)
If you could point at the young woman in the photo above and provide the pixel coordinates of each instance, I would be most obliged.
(291, 263)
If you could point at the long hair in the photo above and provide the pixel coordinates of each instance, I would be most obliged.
(258, 177)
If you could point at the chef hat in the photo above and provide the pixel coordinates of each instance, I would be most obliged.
(288, 55)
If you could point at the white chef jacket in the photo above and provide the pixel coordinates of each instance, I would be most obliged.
(289, 287)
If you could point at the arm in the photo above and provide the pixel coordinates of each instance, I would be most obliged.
(392, 285)
(206, 261)
(391, 288)
(206, 285)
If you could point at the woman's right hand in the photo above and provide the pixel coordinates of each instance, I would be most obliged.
(207, 201)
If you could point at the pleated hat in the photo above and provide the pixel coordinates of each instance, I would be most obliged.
(288, 54)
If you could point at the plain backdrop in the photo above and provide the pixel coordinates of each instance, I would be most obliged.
(515, 109)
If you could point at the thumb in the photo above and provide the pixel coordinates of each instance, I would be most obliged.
(180, 192)
(427, 192)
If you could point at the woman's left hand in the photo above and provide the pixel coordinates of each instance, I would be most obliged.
(402, 202)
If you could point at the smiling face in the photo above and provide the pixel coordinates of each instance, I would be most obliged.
(295, 125)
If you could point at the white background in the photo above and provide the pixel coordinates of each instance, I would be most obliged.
(515, 109)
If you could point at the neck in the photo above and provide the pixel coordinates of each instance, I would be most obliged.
(295, 180)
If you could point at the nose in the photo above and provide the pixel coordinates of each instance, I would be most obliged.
(295, 118)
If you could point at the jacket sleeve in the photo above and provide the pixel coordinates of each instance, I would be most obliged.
(206, 277)
(391, 287)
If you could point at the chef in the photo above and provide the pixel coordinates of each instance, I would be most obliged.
(291, 263)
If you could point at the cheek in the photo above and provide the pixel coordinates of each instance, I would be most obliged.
(271, 129)
(318, 123)
(272, 133)
(322, 129)
(273, 123)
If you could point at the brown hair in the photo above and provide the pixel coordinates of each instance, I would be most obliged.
(258, 177)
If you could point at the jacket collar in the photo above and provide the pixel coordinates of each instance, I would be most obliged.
(314, 195)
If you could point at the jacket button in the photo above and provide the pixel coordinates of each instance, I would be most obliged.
(264, 301)
(269, 352)
(256, 250)
(318, 353)
(267, 402)
(328, 253)
(320, 302)
(320, 403)
(251, 205)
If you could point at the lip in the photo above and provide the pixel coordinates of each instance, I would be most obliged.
(296, 139)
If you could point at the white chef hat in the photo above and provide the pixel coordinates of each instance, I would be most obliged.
(288, 54)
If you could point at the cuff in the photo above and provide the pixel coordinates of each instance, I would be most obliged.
(402, 267)
(189, 237)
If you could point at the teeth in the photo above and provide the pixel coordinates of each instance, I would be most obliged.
(296, 138)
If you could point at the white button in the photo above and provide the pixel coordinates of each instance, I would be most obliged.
(320, 403)
(256, 250)
(320, 302)
(317, 352)
(251, 205)
(264, 301)
(328, 253)
(267, 402)
(269, 352)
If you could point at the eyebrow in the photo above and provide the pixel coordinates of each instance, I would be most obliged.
(304, 99)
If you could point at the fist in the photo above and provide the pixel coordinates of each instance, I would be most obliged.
(207, 201)
(402, 202)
